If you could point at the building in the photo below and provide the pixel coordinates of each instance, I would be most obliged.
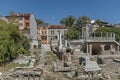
(42, 33)
(23, 20)
(95, 27)
(49, 33)
(27, 25)
(53, 31)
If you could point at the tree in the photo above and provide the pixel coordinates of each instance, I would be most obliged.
(12, 42)
(72, 33)
(68, 21)
(74, 26)
(82, 21)
(98, 22)
(12, 18)
(39, 21)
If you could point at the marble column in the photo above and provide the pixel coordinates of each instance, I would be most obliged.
(113, 36)
(65, 43)
(87, 49)
(111, 47)
(60, 39)
(102, 46)
(90, 47)
(118, 48)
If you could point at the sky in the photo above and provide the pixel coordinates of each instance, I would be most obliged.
(52, 11)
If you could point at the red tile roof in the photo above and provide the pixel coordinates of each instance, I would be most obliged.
(57, 27)
(43, 25)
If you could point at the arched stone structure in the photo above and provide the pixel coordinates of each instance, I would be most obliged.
(106, 41)
(96, 49)
(107, 46)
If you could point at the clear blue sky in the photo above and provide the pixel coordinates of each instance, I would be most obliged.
(52, 11)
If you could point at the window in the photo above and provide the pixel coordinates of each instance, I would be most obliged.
(52, 32)
(27, 24)
(55, 37)
(27, 18)
(51, 38)
(20, 18)
(42, 32)
(45, 32)
(44, 37)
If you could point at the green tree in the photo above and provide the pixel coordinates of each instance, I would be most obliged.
(82, 21)
(68, 21)
(98, 22)
(39, 21)
(72, 33)
(12, 42)
(12, 18)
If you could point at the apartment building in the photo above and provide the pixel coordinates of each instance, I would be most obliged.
(23, 20)
(42, 33)
(53, 32)
(47, 33)
(27, 25)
